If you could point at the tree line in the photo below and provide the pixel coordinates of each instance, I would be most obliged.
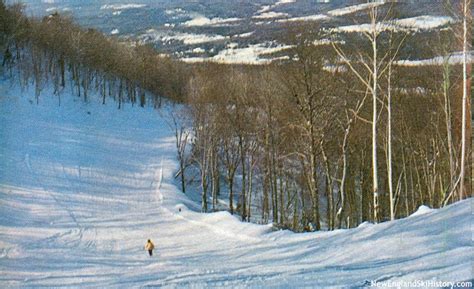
(54, 50)
(340, 134)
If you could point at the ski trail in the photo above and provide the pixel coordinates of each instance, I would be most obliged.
(39, 182)
(75, 236)
(160, 182)
(202, 224)
(108, 185)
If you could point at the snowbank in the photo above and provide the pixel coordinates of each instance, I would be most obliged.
(421, 211)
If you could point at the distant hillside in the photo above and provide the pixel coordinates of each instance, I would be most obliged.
(228, 31)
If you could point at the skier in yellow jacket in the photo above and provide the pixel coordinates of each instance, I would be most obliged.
(149, 246)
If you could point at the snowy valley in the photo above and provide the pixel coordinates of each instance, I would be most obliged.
(250, 31)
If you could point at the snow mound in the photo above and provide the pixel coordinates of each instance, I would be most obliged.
(421, 211)
(365, 224)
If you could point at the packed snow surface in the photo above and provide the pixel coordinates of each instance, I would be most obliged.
(84, 185)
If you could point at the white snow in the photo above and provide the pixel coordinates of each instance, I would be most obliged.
(175, 11)
(122, 6)
(193, 38)
(421, 211)
(424, 22)
(281, 2)
(354, 8)
(270, 14)
(82, 186)
(364, 27)
(198, 50)
(241, 55)
(453, 59)
(204, 21)
(114, 31)
(53, 9)
(315, 17)
(266, 8)
(244, 35)
(153, 35)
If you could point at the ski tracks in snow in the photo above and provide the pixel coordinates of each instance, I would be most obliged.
(70, 237)
(200, 224)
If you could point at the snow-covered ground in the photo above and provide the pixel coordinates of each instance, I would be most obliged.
(200, 20)
(413, 24)
(82, 186)
(354, 8)
(452, 59)
(304, 18)
(252, 54)
(153, 35)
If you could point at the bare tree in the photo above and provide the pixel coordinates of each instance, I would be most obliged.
(178, 121)
(373, 64)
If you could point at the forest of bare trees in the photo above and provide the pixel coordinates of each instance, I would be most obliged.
(55, 50)
(339, 134)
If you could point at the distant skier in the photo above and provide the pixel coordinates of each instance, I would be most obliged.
(149, 246)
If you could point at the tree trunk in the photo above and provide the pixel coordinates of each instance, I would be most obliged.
(314, 181)
(230, 181)
(466, 119)
(375, 185)
(389, 143)
(244, 176)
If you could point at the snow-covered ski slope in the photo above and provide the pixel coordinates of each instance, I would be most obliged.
(82, 186)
